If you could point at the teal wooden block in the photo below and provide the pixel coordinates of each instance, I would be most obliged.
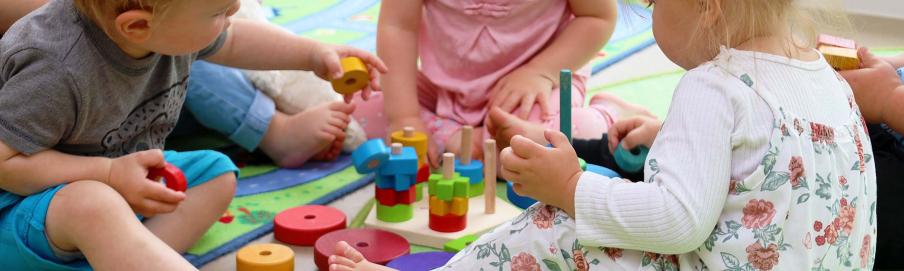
(370, 156)
(404, 163)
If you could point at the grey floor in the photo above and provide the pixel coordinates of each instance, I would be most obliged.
(876, 32)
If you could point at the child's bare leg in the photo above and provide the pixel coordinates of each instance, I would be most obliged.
(622, 108)
(346, 258)
(202, 207)
(93, 218)
(453, 145)
(291, 140)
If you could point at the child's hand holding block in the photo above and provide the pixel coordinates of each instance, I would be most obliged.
(354, 78)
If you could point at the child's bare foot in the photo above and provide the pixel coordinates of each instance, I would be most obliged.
(332, 151)
(622, 108)
(346, 258)
(291, 140)
(454, 143)
(503, 126)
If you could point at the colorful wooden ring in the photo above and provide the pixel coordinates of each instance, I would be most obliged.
(171, 176)
(370, 156)
(355, 76)
(302, 225)
(517, 200)
(265, 257)
(423, 261)
(377, 246)
(631, 161)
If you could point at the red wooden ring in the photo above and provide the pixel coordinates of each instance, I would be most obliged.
(173, 176)
(303, 225)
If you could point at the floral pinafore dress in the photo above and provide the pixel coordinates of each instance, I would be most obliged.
(810, 205)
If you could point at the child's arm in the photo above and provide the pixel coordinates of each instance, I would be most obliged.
(25, 175)
(895, 61)
(12, 10)
(571, 49)
(397, 44)
(263, 46)
(878, 90)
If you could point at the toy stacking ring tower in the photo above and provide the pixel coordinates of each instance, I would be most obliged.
(448, 198)
(467, 167)
(355, 76)
(417, 140)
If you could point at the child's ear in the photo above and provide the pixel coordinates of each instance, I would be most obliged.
(134, 25)
(712, 12)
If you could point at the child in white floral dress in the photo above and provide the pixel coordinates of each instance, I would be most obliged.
(763, 163)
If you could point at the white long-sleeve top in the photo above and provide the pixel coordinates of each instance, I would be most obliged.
(717, 130)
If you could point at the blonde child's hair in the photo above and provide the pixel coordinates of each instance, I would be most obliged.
(104, 12)
(798, 20)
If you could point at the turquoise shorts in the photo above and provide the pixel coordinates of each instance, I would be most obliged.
(23, 242)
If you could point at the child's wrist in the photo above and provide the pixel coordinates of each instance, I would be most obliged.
(106, 171)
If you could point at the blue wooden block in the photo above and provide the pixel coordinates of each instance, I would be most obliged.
(370, 156)
(515, 199)
(395, 182)
(602, 171)
(404, 163)
(472, 171)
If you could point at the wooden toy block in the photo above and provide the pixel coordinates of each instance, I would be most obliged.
(459, 244)
(459, 206)
(397, 182)
(171, 176)
(423, 173)
(473, 171)
(419, 191)
(824, 39)
(370, 156)
(475, 189)
(395, 213)
(518, 200)
(631, 161)
(424, 261)
(355, 76)
(407, 196)
(402, 163)
(302, 225)
(565, 102)
(386, 196)
(840, 58)
(439, 207)
(461, 187)
(411, 138)
(418, 231)
(377, 246)
(489, 176)
(265, 257)
(448, 223)
(445, 190)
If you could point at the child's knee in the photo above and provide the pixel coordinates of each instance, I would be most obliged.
(87, 199)
(225, 185)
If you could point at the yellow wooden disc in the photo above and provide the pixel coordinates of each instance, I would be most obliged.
(265, 257)
(418, 141)
(355, 77)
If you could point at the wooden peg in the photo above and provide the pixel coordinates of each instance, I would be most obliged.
(448, 165)
(489, 176)
(396, 148)
(408, 131)
(466, 143)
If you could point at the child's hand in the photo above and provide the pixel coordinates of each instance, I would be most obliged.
(872, 85)
(128, 176)
(549, 175)
(327, 66)
(633, 132)
(521, 89)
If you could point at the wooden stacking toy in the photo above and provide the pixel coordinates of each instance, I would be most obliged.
(467, 167)
(171, 176)
(355, 76)
(459, 244)
(302, 225)
(448, 198)
(417, 140)
(397, 170)
(631, 161)
(265, 257)
(377, 246)
(841, 53)
(489, 176)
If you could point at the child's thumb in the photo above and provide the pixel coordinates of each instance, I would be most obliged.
(556, 138)
(151, 158)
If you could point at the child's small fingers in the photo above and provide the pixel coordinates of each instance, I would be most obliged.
(509, 175)
(543, 100)
(519, 189)
(527, 103)
(152, 207)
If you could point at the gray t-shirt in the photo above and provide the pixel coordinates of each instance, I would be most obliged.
(65, 85)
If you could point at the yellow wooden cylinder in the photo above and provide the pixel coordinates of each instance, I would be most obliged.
(414, 139)
(354, 78)
(438, 207)
(265, 257)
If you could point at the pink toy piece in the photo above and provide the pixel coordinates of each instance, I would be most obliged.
(303, 225)
(836, 41)
(377, 246)
(172, 176)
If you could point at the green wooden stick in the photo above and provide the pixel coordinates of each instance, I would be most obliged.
(565, 102)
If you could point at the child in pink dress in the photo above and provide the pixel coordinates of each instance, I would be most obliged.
(478, 54)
